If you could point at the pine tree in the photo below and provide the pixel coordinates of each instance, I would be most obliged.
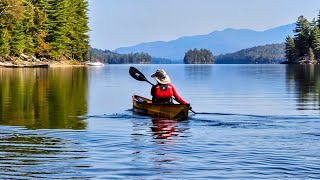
(315, 39)
(40, 21)
(57, 27)
(4, 42)
(17, 41)
(290, 50)
(78, 40)
(28, 27)
(311, 55)
(302, 36)
(10, 18)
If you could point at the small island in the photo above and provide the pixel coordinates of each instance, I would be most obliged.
(304, 47)
(199, 56)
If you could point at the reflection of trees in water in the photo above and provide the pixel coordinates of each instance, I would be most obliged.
(43, 98)
(32, 156)
(198, 71)
(305, 79)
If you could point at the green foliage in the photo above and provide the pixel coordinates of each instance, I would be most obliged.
(311, 54)
(305, 46)
(44, 28)
(268, 54)
(115, 58)
(315, 39)
(17, 43)
(4, 42)
(290, 49)
(195, 56)
(302, 36)
(44, 99)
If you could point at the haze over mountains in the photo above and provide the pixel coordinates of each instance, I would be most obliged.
(218, 42)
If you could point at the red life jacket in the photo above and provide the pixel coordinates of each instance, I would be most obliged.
(163, 91)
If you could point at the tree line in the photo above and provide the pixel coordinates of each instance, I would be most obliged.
(198, 56)
(268, 54)
(46, 29)
(304, 47)
(110, 57)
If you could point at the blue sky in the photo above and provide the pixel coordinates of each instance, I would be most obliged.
(121, 23)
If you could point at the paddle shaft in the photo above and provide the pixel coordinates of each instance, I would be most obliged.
(193, 111)
(149, 82)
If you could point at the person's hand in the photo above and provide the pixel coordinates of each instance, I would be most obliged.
(190, 108)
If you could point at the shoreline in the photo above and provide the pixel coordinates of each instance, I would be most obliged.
(41, 64)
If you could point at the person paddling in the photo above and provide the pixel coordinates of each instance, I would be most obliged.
(163, 91)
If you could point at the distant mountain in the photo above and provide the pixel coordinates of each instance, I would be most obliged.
(218, 42)
(268, 54)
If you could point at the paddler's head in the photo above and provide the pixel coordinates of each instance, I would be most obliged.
(161, 77)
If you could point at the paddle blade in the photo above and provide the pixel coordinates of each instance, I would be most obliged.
(136, 74)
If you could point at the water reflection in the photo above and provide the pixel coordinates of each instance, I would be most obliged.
(163, 128)
(156, 143)
(198, 72)
(26, 156)
(305, 81)
(43, 98)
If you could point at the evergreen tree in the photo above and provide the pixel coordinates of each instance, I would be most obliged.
(311, 55)
(11, 15)
(40, 20)
(17, 41)
(290, 49)
(302, 36)
(57, 27)
(315, 39)
(4, 42)
(78, 39)
(28, 27)
(45, 28)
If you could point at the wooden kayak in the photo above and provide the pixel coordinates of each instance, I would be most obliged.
(145, 106)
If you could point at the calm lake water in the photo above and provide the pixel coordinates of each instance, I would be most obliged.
(255, 122)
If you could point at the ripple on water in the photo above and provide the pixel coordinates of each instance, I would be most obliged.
(31, 155)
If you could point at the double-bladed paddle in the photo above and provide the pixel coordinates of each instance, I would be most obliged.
(136, 74)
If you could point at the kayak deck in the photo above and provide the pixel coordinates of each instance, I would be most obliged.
(145, 106)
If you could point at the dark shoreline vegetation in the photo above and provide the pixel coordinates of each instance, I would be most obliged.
(110, 57)
(304, 47)
(268, 54)
(43, 30)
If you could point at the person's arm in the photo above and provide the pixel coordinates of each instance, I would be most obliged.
(152, 90)
(177, 97)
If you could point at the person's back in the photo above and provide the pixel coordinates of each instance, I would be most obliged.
(164, 91)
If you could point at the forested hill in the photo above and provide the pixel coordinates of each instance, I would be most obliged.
(218, 42)
(46, 29)
(268, 54)
(110, 57)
